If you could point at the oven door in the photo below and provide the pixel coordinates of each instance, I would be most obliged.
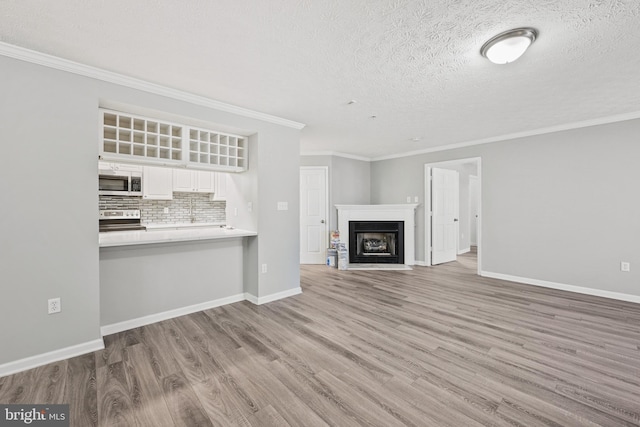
(114, 185)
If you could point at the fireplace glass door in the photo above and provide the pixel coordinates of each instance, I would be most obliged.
(376, 242)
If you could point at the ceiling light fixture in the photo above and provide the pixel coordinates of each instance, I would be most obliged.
(508, 46)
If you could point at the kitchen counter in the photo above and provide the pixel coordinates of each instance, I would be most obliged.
(184, 225)
(170, 233)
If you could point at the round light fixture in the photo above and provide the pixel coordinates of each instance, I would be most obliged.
(508, 46)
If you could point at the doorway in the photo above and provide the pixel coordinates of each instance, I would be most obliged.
(314, 213)
(450, 223)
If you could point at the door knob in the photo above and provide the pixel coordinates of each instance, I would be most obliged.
(455, 219)
(322, 221)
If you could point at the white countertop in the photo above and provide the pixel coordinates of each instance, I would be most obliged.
(167, 234)
(184, 225)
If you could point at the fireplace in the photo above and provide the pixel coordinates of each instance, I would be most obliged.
(376, 242)
(403, 215)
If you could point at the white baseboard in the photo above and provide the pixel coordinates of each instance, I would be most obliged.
(251, 298)
(420, 263)
(464, 251)
(91, 346)
(563, 287)
(170, 314)
(165, 315)
(273, 297)
(50, 357)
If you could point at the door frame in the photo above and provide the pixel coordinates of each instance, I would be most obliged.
(326, 201)
(427, 205)
(475, 218)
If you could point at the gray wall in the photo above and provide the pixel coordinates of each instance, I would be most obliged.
(142, 280)
(560, 207)
(49, 162)
(49, 128)
(349, 182)
(279, 231)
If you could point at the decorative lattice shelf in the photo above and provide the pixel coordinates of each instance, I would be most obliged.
(127, 137)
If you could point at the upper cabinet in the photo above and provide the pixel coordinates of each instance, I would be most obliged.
(157, 183)
(226, 152)
(193, 181)
(130, 138)
(205, 181)
(115, 167)
(220, 189)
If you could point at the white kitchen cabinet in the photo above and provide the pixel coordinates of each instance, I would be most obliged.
(215, 149)
(220, 186)
(205, 181)
(137, 138)
(189, 181)
(157, 183)
(109, 166)
(133, 138)
(183, 180)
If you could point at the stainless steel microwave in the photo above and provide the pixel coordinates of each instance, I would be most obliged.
(119, 183)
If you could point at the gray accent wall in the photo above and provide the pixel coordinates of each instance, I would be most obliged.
(560, 207)
(349, 182)
(143, 280)
(48, 221)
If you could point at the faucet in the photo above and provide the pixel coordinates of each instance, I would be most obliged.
(192, 213)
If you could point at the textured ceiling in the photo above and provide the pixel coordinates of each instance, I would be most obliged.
(413, 64)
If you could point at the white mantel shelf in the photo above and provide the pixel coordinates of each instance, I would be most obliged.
(400, 207)
(400, 212)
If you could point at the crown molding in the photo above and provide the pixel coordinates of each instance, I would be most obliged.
(540, 131)
(336, 154)
(57, 63)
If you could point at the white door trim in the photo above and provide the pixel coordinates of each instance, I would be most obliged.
(327, 196)
(427, 205)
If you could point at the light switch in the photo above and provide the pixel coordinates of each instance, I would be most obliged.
(283, 206)
(250, 207)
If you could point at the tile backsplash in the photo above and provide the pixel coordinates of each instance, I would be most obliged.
(152, 211)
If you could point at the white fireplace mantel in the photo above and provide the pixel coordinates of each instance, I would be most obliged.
(405, 212)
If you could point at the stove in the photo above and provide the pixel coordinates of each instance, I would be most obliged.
(120, 220)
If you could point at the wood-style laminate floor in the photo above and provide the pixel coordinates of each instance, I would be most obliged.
(429, 347)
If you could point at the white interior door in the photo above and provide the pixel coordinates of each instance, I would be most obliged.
(314, 207)
(444, 222)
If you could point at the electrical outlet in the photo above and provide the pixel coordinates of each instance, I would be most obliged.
(54, 306)
(264, 268)
(166, 210)
(415, 199)
(408, 199)
(625, 266)
(249, 206)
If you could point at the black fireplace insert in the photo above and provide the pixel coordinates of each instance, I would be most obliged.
(376, 242)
